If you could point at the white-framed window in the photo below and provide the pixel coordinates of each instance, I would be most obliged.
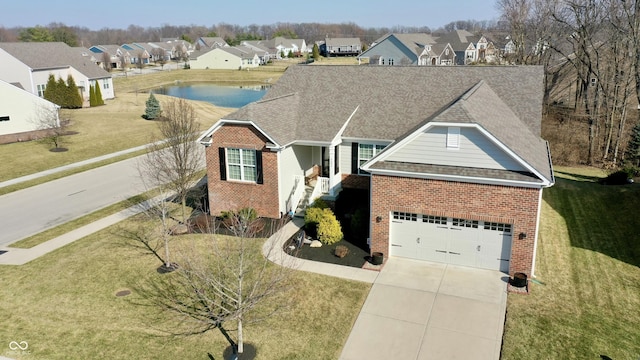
(391, 62)
(41, 88)
(241, 164)
(366, 152)
(453, 137)
(105, 84)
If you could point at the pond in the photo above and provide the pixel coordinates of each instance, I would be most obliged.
(219, 95)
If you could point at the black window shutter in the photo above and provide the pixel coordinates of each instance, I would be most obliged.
(259, 177)
(354, 158)
(223, 164)
(336, 159)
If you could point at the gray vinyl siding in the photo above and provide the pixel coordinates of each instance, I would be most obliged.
(391, 48)
(475, 150)
(345, 158)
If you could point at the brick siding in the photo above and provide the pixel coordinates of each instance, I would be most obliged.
(225, 195)
(504, 204)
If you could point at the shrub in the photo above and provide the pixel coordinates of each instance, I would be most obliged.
(329, 230)
(341, 251)
(312, 218)
(320, 204)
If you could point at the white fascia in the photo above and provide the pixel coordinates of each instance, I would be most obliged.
(207, 134)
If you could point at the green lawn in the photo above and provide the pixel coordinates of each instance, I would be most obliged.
(588, 259)
(64, 306)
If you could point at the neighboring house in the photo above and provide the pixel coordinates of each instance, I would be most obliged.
(139, 55)
(280, 46)
(451, 157)
(341, 47)
(30, 64)
(173, 49)
(408, 49)
(470, 48)
(119, 57)
(23, 114)
(264, 53)
(232, 57)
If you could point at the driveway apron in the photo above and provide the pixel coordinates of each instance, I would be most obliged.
(422, 310)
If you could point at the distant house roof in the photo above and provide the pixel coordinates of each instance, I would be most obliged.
(387, 103)
(459, 39)
(414, 42)
(213, 41)
(48, 55)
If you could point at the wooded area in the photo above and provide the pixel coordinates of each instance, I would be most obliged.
(590, 49)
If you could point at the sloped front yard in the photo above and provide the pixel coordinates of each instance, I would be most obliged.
(588, 259)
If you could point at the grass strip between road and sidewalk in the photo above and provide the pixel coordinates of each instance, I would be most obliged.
(41, 180)
(54, 232)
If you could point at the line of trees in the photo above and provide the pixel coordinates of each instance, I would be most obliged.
(233, 34)
(591, 52)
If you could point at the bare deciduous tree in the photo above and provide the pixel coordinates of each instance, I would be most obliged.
(48, 121)
(177, 160)
(225, 286)
(106, 61)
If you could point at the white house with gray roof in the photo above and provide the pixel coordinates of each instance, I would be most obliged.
(230, 58)
(450, 158)
(23, 114)
(30, 64)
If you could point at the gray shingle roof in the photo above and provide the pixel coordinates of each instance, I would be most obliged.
(46, 55)
(312, 103)
(342, 41)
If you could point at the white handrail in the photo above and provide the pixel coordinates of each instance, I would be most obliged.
(298, 192)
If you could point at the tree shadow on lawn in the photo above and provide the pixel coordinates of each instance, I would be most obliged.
(601, 218)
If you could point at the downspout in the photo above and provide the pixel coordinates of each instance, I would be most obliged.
(535, 238)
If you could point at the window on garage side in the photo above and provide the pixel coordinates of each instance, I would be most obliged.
(398, 215)
(465, 223)
(431, 219)
(497, 226)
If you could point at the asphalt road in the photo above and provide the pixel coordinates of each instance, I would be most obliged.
(27, 212)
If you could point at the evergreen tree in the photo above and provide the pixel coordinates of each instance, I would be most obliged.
(98, 95)
(633, 147)
(61, 93)
(50, 91)
(316, 52)
(92, 96)
(75, 100)
(153, 108)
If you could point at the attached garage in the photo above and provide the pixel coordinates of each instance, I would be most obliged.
(465, 242)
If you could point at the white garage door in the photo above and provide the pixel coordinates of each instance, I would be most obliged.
(474, 243)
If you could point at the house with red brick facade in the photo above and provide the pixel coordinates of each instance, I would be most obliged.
(451, 157)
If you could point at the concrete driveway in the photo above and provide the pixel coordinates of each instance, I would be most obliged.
(421, 310)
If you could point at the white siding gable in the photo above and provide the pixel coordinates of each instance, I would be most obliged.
(474, 150)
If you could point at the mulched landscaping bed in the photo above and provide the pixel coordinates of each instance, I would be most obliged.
(356, 257)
